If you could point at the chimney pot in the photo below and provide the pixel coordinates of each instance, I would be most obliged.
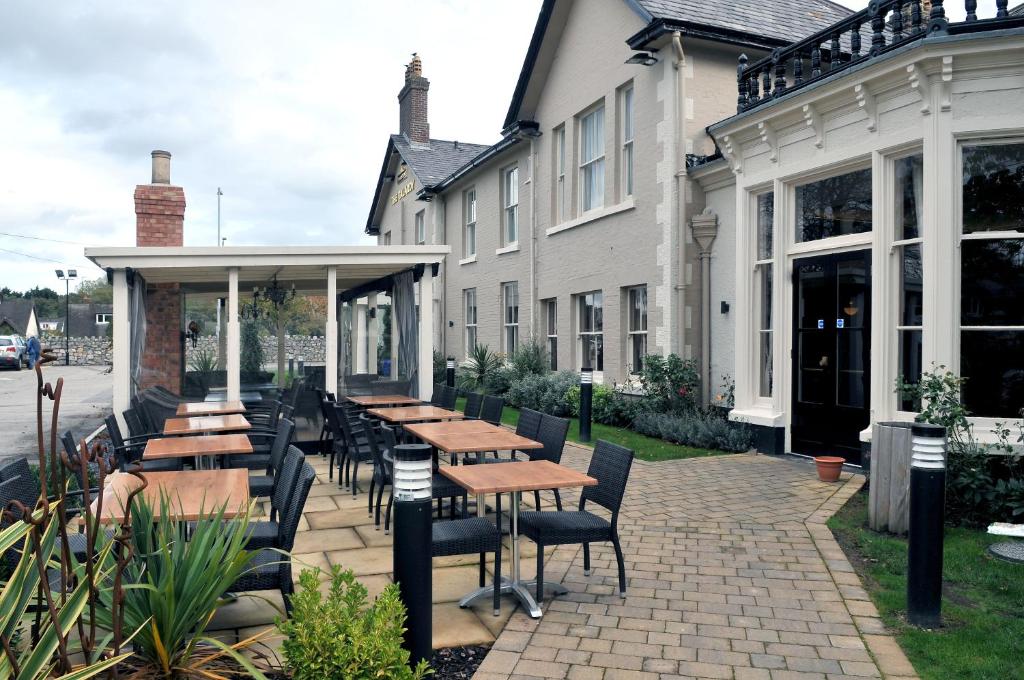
(412, 103)
(161, 167)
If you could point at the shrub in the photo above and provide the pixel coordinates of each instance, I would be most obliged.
(670, 383)
(478, 372)
(695, 429)
(545, 393)
(341, 637)
(440, 367)
(530, 358)
(252, 352)
(608, 407)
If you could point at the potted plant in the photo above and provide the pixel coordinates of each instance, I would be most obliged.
(829, 467)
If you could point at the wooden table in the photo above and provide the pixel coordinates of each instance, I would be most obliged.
(210, 408)
(176, 427)
(514, 478)
(192, 493)
(470, 436)
(187, 447)
(383, 400)
(413, 414)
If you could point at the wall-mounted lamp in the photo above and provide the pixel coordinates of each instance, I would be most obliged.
(373, 312)
(725, 307)
(451, 324)
(851, 308)
(642, 59)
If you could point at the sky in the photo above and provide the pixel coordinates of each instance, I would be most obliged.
(284, 106)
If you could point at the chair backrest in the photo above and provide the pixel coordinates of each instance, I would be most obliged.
(285, 431)
(333, 418)
(20, 482)
(438, 395)
(114, 431)
(298, 385)
(136, 426)
(284, 483)
(345, 422)
(610, 466)
(142, 414)
(473, 402)
(448, 397)
(158, 409)
(389, 438)
(274, 412)
(287, 411)
(552, 433)
(70, 446)
(292, 512)
(370, 431)
(491, 409)
(529, 423)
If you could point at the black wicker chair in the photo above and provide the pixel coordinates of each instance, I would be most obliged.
(267, 533)
(264, 444)
(448, 397)
(473, 402)
(438, 395)
(324, 400)
(390, 440)
(610, 466)
(128, 451)
(270, 569)
(491, 409)
(336, 438)
(263, 485)
(381, 470)
(552, 434)
(467, 536)
(528, 426)
(357, 449)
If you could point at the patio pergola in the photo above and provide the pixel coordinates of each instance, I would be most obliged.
(339, 272)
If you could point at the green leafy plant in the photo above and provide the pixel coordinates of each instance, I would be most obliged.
(480, 368)
(340, 636)
(545, 393)
(608, 407)
(176, 582)
(670, 384)
(530, 358)
(695, 429)
(251, 361)
(440, 367)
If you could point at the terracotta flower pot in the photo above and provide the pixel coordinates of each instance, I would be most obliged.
(829, 467)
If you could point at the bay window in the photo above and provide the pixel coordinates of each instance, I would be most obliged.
(834, 206)
(907, 245)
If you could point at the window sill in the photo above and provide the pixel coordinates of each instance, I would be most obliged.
(508, 249)
(467, 260)
(592, 216)
(758, 416)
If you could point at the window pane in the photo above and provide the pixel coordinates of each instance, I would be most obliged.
(910, 349)
(911, 279)
(627, 160)
(639, 351)
(765, 355)
(909, 197)
(471, 239)
(765, 225)
(593, 351)
(553, 352)
(766, 296)
(991, 363)
(598, 311)
(993, 191)
(992, 283)
(834, 206)
(586, 313)
(627, 114)
(592, 136)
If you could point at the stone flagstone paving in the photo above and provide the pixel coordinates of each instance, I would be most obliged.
(731, 572)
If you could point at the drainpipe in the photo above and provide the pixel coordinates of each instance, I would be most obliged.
(680, 174)
(533, 238)
(705, 229)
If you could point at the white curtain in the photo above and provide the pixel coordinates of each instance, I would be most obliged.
(403, 315)
(137, 320)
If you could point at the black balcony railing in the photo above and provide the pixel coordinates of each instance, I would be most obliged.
(883, 26)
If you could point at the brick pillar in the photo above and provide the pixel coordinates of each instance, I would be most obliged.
(412, 104)
(159, 221)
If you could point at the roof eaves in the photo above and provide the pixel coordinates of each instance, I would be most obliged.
(662, 26)
(484, 156)
(371, 228)
(531, 60)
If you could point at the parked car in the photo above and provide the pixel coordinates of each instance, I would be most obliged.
(13, 351)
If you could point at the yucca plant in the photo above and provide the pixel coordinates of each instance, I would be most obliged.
(175, 583)
(481, 365)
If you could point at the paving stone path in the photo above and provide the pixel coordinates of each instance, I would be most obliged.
(732, 573)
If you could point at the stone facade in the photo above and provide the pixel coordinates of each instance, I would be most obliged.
(85, 351)
(312, 348)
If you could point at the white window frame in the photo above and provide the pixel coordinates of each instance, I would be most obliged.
(634, 334)
(471, 337)
(561, 209)
(551, 331)
(628, 131)
(421, 227)
(510, 205)
(591, 166)
(764, 264)
(469, 230)
(510, 316)
(103, 317)
(596, 330)
(896, 247)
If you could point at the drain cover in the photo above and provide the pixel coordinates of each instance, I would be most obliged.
(1010, 551)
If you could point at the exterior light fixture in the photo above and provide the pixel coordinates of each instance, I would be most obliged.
(851, 308)
(72, 273)
(643, 59)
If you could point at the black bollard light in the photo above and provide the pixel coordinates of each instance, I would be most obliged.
(411, 551)
(586, 401)
(927, 512)
(449, 372)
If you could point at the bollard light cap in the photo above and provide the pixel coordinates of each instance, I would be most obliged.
(928, 430)
(412, 452)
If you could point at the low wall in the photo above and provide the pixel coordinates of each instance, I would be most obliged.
(84, 351)
(311, 347)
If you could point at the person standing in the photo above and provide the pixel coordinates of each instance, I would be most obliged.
(33, 351)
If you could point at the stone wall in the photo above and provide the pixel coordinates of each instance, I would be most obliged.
(311, 347)
(84, 351)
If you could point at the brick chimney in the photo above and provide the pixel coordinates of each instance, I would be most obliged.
(412, 103)
(159, 221)
(159, 207)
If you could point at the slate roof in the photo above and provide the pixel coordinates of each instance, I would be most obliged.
(433, 163)
(1017, 11)
(82, 319)
(16, 312)
(786, 20)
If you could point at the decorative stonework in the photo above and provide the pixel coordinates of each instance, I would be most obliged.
(85, 351)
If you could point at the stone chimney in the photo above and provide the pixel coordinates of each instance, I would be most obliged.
(412, 103)
(159, 207)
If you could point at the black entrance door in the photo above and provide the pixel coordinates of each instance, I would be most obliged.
(831, 353)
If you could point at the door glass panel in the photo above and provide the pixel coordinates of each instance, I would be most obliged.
(814, 350)
(834, 206)
(852, 311)
(815, 298)
(850, 377)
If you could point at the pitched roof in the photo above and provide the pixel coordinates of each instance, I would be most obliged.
(16, 312)
(430, 163)
(82, 319)
(784, 20)
(1017, 11)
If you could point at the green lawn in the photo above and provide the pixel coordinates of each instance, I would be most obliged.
(982, 606)
(645, 448)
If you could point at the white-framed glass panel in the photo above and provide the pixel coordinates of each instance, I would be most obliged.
(421, 227)
(627, 141)
(763, 284)
(592, 160)
(469, 298)
(834, 206)
(510, 303)
(551, 331)
(591, 333)
(510, 191)
(104, 318)
(560, 189)
(992, 278)
(908, 223)
(636, 327)
(469, 234)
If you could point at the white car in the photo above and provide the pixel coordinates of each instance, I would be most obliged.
(13, 351)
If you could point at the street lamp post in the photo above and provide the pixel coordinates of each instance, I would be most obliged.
(67, 311)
